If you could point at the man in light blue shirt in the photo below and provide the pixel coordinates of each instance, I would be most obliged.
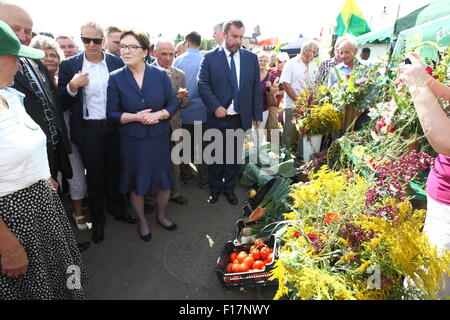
(195, 114)
(347, 52)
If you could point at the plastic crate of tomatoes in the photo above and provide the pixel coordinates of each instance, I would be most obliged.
(247, 264)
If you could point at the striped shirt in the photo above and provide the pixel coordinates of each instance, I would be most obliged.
(23, 151)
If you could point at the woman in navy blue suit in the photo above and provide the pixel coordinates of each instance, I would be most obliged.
(141, 99)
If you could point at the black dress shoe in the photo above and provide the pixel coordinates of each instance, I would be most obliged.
(126, 217)
(98, 234)
(147, 237)
(231, 198)
(203, 185)
(182, 201)
(172, 227)
(83, 245)
(213, 197)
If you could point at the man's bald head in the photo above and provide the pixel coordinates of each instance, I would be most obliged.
(18, 19)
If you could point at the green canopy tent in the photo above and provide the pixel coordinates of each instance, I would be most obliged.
(379, 37)
(408, 21)
(435, 10)
(387, 35)
(437, 31)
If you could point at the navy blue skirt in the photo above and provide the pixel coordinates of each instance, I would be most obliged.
(146, 164)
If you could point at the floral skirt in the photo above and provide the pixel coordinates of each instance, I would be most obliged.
(36, 217)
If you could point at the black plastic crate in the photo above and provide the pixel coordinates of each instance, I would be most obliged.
(244, 279)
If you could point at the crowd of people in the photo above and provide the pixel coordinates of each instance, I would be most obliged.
(103, 119)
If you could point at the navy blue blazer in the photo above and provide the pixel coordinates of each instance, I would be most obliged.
(67, 69)
(124, 95)
(216, 87)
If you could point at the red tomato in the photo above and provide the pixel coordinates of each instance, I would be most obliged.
(258, 264)
(236, 268)
(233, 256)
(252, 247)
(235, 261)
(258, 242)
(269, 258)
(229, 268)
(249, 261)
(241, 256)
(255, 254)
(264, 252)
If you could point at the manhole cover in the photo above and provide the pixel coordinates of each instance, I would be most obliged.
(192, 256)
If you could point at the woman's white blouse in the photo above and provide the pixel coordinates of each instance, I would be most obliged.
(23, 151)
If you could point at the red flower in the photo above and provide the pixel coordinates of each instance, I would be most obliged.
(297, 234)
(381, 123)
(390, 128)
(311, 236)
(429, 70)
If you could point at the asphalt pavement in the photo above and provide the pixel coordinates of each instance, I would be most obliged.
(174, 265)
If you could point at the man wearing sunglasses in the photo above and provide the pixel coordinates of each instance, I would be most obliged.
(83, 82)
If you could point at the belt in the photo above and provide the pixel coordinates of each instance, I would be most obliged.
(233, 115)
(98, 123)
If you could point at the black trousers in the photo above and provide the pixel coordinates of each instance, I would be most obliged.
(197, 148)
(223, 176)
(100, 153)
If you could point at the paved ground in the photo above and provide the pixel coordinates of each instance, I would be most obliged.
(174, 265)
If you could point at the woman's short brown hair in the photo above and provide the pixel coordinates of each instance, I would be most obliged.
(141, 37)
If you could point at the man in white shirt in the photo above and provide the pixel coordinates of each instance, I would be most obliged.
(298, 73)
(83, 83)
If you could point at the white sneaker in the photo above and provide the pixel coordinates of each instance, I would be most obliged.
(80, 226)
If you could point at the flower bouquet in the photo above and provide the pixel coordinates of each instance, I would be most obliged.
(354, 92)
(314, 117)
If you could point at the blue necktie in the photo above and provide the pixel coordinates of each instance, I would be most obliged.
(235, 83)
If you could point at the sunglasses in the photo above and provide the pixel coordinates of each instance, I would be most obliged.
(87, 40)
